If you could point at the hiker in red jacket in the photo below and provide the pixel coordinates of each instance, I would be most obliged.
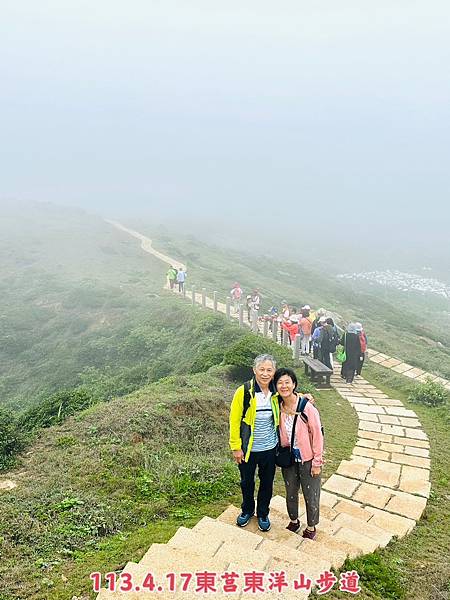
(363, 343)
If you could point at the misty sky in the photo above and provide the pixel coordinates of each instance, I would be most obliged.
(336, 108)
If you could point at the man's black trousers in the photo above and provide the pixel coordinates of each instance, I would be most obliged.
(265, 461)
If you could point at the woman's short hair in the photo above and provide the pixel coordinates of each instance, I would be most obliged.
(262, 358)
(283, 371)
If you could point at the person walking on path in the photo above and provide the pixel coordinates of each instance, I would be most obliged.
(172, 276)
(236, 295)
(363, 343)
(317, 337)
(304, 327)
(329, 340)
(352, 347)
(181, 279)
(307, 450)
(254, 418)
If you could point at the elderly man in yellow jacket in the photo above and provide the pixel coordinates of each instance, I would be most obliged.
(254, 420)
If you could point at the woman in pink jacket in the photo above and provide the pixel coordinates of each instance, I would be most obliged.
(307, 450)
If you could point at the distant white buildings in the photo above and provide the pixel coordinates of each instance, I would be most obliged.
(402, 281)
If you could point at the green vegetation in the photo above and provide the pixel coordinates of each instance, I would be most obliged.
(429, 392)
(12, 440)
(124, 390)
(401, 325)
(98, 489)
(243, 352)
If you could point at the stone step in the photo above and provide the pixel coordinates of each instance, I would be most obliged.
(162, 558)
(257, 559)
(139, 573)
(277, 532)
(185, 538)
(381, 537)
(243, 537)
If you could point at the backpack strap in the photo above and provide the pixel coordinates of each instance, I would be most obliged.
(247, 385)
(301, 408)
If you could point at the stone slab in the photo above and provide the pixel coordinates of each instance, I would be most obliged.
(379, 454)
(413, 373)
(383, 477)
(401, 411)
(355, 470)
(380, 536)
(341, 485)
(407, 505)
(328, 499)
(395, 524)
(372, 495)
(366, 416)
(354, 509)
(278, 503)
(368, 443)
(389, 420)
(423, 452)
(405, 422)
(187, 538)
(402, 368)
(361, 401)
(379, 358)
(362, 460)
(391, 362)
(392, 430)
(411, 442)
(413, 461)
(371, 435)
(361, 541)
(388, 402)
(391, 447)
(375, 410)
(416, 434)
(367, 426)
(418, 487)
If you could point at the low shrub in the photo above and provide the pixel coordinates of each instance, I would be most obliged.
(429, 392)
(56, 408)
(243, 352)
(12, 440)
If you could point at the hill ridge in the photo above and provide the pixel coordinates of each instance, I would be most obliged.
(379, 493)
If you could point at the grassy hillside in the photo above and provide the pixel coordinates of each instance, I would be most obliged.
(410, 328)
(99, 489)
(69, 285)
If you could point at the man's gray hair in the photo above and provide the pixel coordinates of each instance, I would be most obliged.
(262, 358)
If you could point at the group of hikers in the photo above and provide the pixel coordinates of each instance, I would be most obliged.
(318, 332)
(271, 424)
(176, 277)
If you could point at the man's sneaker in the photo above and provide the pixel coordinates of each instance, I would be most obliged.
(243, 519)
(294, 526)
(264, 523)
(309, 535)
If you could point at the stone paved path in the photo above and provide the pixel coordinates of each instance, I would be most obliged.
(379, 493)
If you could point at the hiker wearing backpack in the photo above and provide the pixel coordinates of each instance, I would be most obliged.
(254, 417)
(352, 346)
(317, 337)
(172, 276)
(363, 343)
(300, 430)
(328, 342)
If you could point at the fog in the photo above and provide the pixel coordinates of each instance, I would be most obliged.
(326, 121)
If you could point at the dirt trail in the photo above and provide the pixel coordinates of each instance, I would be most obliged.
(146, 244)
